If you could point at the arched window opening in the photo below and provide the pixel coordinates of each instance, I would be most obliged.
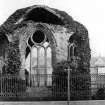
(72, 51)
(39, 59)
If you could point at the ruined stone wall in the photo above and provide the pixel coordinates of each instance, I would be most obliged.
(62, 39)
(18, 29)
(60, 34)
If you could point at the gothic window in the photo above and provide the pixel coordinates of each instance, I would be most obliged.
(39, 58)
(72, 50)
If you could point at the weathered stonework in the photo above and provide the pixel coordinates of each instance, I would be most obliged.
(60, 29)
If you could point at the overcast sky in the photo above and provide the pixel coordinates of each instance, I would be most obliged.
(91, 13)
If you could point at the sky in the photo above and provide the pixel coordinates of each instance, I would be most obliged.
(90, 13)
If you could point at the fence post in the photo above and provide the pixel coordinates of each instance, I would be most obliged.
(68, 70)
(1, 81)
(1, 76)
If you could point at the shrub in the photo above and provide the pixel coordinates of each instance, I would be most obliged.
(100, 94)
(79, 82)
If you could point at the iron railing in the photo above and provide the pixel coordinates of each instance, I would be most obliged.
(53, 87)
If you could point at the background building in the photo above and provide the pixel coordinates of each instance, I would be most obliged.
(97, 71)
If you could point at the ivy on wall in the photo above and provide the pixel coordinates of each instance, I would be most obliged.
(13, 62)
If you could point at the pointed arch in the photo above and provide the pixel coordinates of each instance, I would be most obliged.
(72, 50)
(39, 55)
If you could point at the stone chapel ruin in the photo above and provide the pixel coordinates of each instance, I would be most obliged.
(44, 40)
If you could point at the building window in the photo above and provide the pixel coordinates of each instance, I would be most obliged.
(39, 58)
(72, 50)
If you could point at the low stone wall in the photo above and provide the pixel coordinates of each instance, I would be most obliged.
(96, 102)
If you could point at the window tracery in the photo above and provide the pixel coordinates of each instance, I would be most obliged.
(39, 56)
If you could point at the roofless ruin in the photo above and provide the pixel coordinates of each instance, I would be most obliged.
(40, 40)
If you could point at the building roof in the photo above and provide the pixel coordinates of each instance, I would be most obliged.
(97, 61)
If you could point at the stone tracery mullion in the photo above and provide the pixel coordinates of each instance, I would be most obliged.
(38, 79)
(45, 66)
(30, 63)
